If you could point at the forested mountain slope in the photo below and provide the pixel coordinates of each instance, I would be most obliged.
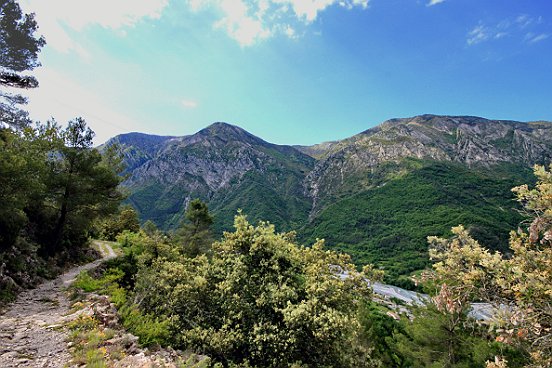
(224, 165)
(376, 195)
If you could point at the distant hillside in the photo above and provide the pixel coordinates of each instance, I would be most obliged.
(354, 164)
(224, 165)
(376, 195)
(138, 148)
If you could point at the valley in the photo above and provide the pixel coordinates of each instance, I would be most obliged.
(376, 195)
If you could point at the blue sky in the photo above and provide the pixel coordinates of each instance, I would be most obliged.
(289, 71)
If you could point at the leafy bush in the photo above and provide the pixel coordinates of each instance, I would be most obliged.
(260, 300)
(150, 329)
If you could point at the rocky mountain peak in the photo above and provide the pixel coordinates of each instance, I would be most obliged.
(227, 132)
(470, 140)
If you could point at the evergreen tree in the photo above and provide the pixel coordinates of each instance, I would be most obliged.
(22, 162)
(150, 228)
(19, 48)
(80, 186)
(443, 339)
(125, 219)
(195, 234)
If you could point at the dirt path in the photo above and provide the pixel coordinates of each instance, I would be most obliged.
(31, 333)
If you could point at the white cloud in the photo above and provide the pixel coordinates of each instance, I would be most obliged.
(189, 104)
(524, 20)
(289, 31)
(239, 24)
(57, 17)
(308, 9)
(435, 2)
(69, 99)
(532, 38)
(250, 21)
(478, 34)
(522, 28)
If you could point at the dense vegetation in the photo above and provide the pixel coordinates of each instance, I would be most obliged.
(388, 225)
(258, 299)
(53, 184)
(52, 188)
(518, 285)
(190, 167)
(255, 299)
(385, 225)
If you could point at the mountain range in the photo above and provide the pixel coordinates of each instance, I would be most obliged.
(376, 195)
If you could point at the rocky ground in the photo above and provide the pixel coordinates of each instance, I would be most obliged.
(32, 329)
(35, 331)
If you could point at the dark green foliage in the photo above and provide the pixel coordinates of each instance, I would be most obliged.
(433, 339)
(19, 48)
(53, 185)
(275, 195)
(198, 215)
(150, 228)
(80, 187)
(18, 184)
(378, 330)
(388, 225)
(195, 234)
(442, 340)
(18, 45)
(259, 300)
(126, 219)
(164, 206)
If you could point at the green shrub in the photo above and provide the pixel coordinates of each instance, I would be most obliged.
(259, 300)
(151, 330)
(89, 284)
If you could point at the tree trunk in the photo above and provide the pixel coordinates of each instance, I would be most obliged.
(60, 225)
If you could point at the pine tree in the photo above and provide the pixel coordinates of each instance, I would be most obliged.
(80, 185)
(19, 48)
(195, 234)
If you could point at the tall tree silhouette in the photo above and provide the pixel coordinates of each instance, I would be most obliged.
(19, 48)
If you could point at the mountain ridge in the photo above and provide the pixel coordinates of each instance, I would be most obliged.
(301, 187)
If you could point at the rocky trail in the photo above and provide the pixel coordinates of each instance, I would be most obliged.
(31, 329)
(33, 333)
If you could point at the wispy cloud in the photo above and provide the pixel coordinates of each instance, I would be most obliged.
(532, 38)
(435, 2)
(189, 104)
(478, 34)
(524, 20)
(57, 17)
(250, 21)
(524, 28)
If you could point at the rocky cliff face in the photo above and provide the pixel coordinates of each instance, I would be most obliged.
(230, 168)
(471, 141)
(138, 148)
(376, 195)
(211, 164)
